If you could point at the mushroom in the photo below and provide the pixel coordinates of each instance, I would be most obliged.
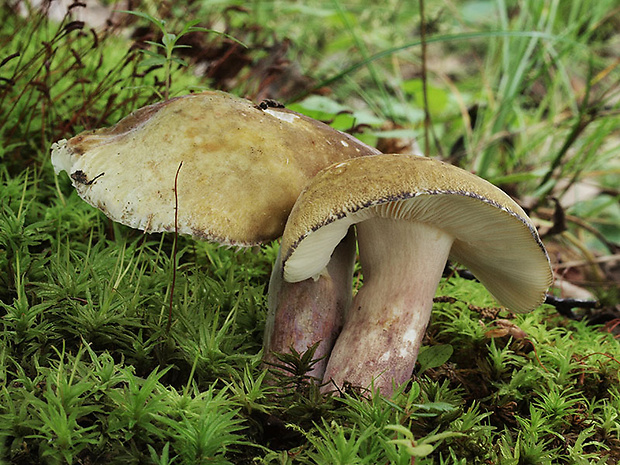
(237, 167)
(411, 214)
(310, 311)
(243, 166)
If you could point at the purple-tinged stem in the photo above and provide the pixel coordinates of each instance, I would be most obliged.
(402, 263)
(304, 313)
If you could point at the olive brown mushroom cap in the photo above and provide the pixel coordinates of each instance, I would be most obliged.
(493, 236)
(243, 166)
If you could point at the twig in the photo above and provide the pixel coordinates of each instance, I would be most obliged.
(548, 213)
(565, 306)
(578, 263)
(536, 354)
(174, 247)
(427, 114)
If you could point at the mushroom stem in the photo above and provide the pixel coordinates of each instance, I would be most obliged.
(304, 313)
(402, 263)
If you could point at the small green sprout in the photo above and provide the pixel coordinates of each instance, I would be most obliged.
(169, 44)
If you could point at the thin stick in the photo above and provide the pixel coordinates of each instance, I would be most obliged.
(174, 247)
(578, 263)
(536, 354)
(427, 114)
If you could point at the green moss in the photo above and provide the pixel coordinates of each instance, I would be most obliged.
(104, 358)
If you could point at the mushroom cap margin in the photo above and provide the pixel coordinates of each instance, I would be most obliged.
(494, 237)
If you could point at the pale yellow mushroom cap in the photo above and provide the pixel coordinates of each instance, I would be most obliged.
(243, 166)
(493, 236)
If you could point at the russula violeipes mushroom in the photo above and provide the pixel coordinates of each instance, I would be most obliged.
(310, 311)
(411, 214)
(243, 166)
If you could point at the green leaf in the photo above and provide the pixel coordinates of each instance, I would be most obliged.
(169, 40)
(441, 436)
(155, 61)
(402, 430)
(420, 451)
(435, 406)
(437, 98)
(434, 356)
(155, 44)
(192, 28)
(179, 61)
(160, 23)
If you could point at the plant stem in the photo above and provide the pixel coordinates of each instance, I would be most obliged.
(174, 248)
(427, 114)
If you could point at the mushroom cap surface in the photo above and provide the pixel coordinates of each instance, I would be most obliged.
(493, 236)
(243, 166)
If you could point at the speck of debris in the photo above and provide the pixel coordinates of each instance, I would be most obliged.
(80, 177)
(269, 103)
